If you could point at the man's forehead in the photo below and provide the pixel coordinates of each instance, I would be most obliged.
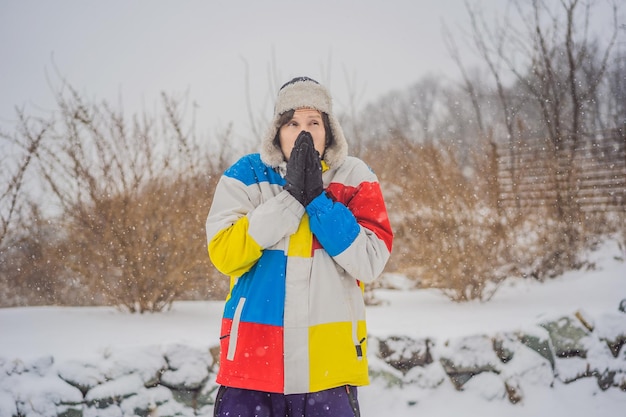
(307, 112)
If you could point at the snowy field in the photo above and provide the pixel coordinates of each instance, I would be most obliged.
(27, 334)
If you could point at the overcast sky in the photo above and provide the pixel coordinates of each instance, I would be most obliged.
(133, 50)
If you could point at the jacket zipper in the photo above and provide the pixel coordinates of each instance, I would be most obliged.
(354, 404)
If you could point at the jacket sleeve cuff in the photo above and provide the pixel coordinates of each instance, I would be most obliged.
(275, 219)
(333, 224)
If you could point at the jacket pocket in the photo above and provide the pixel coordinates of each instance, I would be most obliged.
(350, 293)
(234, 330)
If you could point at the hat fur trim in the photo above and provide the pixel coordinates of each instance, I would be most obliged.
(304, 93)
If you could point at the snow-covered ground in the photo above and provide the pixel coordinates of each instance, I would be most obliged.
(66, 334)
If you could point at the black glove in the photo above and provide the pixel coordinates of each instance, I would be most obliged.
(296, 166)
(313, 184)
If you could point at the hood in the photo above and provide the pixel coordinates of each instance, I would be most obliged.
(304, 92)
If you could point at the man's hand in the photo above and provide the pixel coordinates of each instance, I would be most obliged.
(313, 184)
(296, 167)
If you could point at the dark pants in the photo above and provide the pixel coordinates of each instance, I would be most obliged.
(335, 402)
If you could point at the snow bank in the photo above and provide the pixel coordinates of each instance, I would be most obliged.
(554, 348)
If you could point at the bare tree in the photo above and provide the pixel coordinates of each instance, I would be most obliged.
(615, 91)
(557, 67)
(490, 41)
(356, 134)
(469, 85)
(413, 113)
(19, 150)
(133, 195)
(424, 98)
(564, 77)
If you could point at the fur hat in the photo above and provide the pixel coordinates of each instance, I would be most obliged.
(304, 92)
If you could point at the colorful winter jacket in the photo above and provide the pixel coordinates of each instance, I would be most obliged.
(294, 319)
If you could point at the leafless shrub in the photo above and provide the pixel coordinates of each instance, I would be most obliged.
(452, 231)
(447, 234)
(145, 250)
(18, 151)
(131, 200)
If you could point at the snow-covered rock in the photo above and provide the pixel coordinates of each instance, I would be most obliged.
(179, 380)
(506, 365)
(173, 380)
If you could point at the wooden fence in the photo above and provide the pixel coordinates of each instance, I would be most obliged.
(593, 174)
